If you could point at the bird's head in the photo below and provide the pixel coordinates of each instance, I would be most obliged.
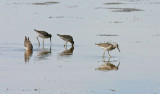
(72, 42)
(50, 36)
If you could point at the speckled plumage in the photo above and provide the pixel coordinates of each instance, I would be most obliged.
(27, 44)
(67, 38)
(43, 34)
(108, 47)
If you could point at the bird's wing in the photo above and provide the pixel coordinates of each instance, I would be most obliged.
(104, 44)
(68, 37)
(43, 33)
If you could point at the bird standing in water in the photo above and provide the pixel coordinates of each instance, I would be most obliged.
(67, 38)
(27, 44)
(108, 47)
(44, 35)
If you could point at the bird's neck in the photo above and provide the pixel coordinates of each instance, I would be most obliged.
(114, 46)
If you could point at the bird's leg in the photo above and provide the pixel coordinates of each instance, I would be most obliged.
(103, 59)
(109, 59)
(65, 47)
(43, 42)
(65, 44)
(50, 42)
(118, 64)
(43, 46)
(38, 41)
(50, 49)
(109, 54)
(104, 53)
(51, 45)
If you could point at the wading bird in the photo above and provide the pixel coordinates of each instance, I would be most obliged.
(27, 44)
(67, 38)
(108, 47)
(43, 34)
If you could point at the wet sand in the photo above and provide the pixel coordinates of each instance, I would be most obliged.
(54, 69)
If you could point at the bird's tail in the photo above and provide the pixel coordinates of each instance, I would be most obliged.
(58, 35)
(97, 44)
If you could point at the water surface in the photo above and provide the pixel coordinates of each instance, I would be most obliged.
(54, 69)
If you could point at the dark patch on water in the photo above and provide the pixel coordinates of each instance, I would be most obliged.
(107, 35)
(39, 3)
(118, 3)
(136, 41)
(45, 3)
(125, 9)
(63, 17)
(154, 3)
(100, 8)
(17, 3)
(72, 6)
(113, 3)
(112, 90)
(59, 17)
(156, 35)
(133, 0)
(116, 22)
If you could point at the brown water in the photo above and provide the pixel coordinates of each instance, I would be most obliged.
(133, 24)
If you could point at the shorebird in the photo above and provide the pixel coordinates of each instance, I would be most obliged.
(108, 47)
(66, 38)
(43, 34)
(27, 44)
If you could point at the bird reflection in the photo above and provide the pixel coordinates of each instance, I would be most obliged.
(67, 51)
(43, 53)
(108, 66)
(27, 55)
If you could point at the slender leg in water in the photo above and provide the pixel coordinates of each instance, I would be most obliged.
(109, 54)
(65, 44)
(109, 59)
(38, 41)
(43, 42)
(104, 53)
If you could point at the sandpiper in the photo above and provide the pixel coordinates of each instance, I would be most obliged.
(108, 47)
(43, 34)
(27, 44)
(67, 38)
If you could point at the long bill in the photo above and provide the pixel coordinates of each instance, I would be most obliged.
(118, 49)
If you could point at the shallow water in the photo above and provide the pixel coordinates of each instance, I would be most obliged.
(52, 69)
